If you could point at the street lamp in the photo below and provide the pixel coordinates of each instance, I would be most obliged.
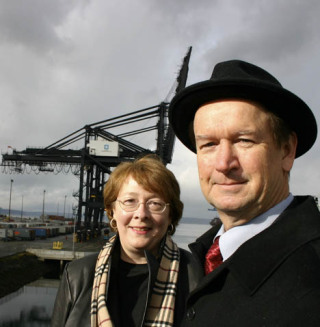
(10, 199)
(74, 232)
(44, 193)
(21, 207)
(64, 207)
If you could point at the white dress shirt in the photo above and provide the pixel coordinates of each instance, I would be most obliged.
(233, 238)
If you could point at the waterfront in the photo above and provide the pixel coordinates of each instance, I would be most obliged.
(32, 304)
(189, 230)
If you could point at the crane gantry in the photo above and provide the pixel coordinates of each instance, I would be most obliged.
(101, 150)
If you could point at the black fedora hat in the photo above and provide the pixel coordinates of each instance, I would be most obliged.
(236, 79)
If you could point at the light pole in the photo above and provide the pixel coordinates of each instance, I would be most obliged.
(11, 181)
(64, 207)
(74, 232)
(44, 194)
(21, 207)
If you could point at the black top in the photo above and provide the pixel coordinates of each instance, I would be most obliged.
(131, 284)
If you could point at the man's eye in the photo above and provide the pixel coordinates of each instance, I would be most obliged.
(246, 140)
(207, 145)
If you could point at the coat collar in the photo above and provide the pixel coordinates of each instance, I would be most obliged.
(296, 226)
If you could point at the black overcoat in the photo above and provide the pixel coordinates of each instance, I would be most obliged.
(272, 280)
(73, 301)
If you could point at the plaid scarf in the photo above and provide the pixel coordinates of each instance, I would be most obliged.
(160, 311)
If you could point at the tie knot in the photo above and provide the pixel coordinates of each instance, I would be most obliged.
(213, 257)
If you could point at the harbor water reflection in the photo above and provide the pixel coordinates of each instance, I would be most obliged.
(30, 306)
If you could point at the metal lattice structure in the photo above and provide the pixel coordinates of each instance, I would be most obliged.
(93, 164)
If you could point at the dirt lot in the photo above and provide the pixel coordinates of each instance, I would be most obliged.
(20, 269)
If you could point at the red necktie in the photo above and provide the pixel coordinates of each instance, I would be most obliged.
(213, 257)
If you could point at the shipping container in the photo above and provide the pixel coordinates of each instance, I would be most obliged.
(65, 229)
(24, 234)
(54, 231)
(6, 234)
(41, 232)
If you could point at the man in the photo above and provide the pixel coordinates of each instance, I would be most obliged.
(246, 130)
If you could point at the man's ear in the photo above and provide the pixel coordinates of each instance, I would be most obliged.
(289, 152)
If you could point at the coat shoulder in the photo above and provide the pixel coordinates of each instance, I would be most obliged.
(81, 271)
(87, 262)
(189, 264)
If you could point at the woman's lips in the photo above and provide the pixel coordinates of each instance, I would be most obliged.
(140, 230)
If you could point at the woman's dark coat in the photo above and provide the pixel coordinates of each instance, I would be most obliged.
(72, 305)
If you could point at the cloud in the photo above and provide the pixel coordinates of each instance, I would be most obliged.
(267, 32)
(33, 24)
(65, 64)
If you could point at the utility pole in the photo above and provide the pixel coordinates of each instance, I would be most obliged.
(44, 193)
(64, 207)
(10, 198)
(21, 207)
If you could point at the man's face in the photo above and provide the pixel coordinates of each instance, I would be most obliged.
(242, 171)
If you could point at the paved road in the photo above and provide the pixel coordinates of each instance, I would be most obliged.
(13, 247)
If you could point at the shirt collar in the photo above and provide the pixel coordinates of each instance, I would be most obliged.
(232, 239)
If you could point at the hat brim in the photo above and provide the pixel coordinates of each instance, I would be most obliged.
(278, 100)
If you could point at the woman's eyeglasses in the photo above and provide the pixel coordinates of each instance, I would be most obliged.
(154, 206)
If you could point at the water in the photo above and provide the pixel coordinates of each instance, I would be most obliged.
(32, 305)
(189, 230)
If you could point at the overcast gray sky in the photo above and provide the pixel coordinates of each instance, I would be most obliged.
(65, 64)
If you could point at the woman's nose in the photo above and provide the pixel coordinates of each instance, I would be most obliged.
(142, 211)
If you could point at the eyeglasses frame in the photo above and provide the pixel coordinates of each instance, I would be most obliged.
(138, 205)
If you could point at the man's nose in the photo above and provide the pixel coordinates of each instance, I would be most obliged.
(225, 158)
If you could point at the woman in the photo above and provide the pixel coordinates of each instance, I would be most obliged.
(140, 278)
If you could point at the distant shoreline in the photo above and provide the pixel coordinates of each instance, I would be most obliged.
(201, 221)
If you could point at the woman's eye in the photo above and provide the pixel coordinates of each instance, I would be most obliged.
(154, 203)
(129, 201)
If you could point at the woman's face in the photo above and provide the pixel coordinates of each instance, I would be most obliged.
(141, 229)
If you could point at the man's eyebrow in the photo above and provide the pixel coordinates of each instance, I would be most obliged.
(247, 132)
(202, 137)
(241, 132)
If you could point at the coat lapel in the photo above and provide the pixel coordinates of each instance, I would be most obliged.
(260, 256)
